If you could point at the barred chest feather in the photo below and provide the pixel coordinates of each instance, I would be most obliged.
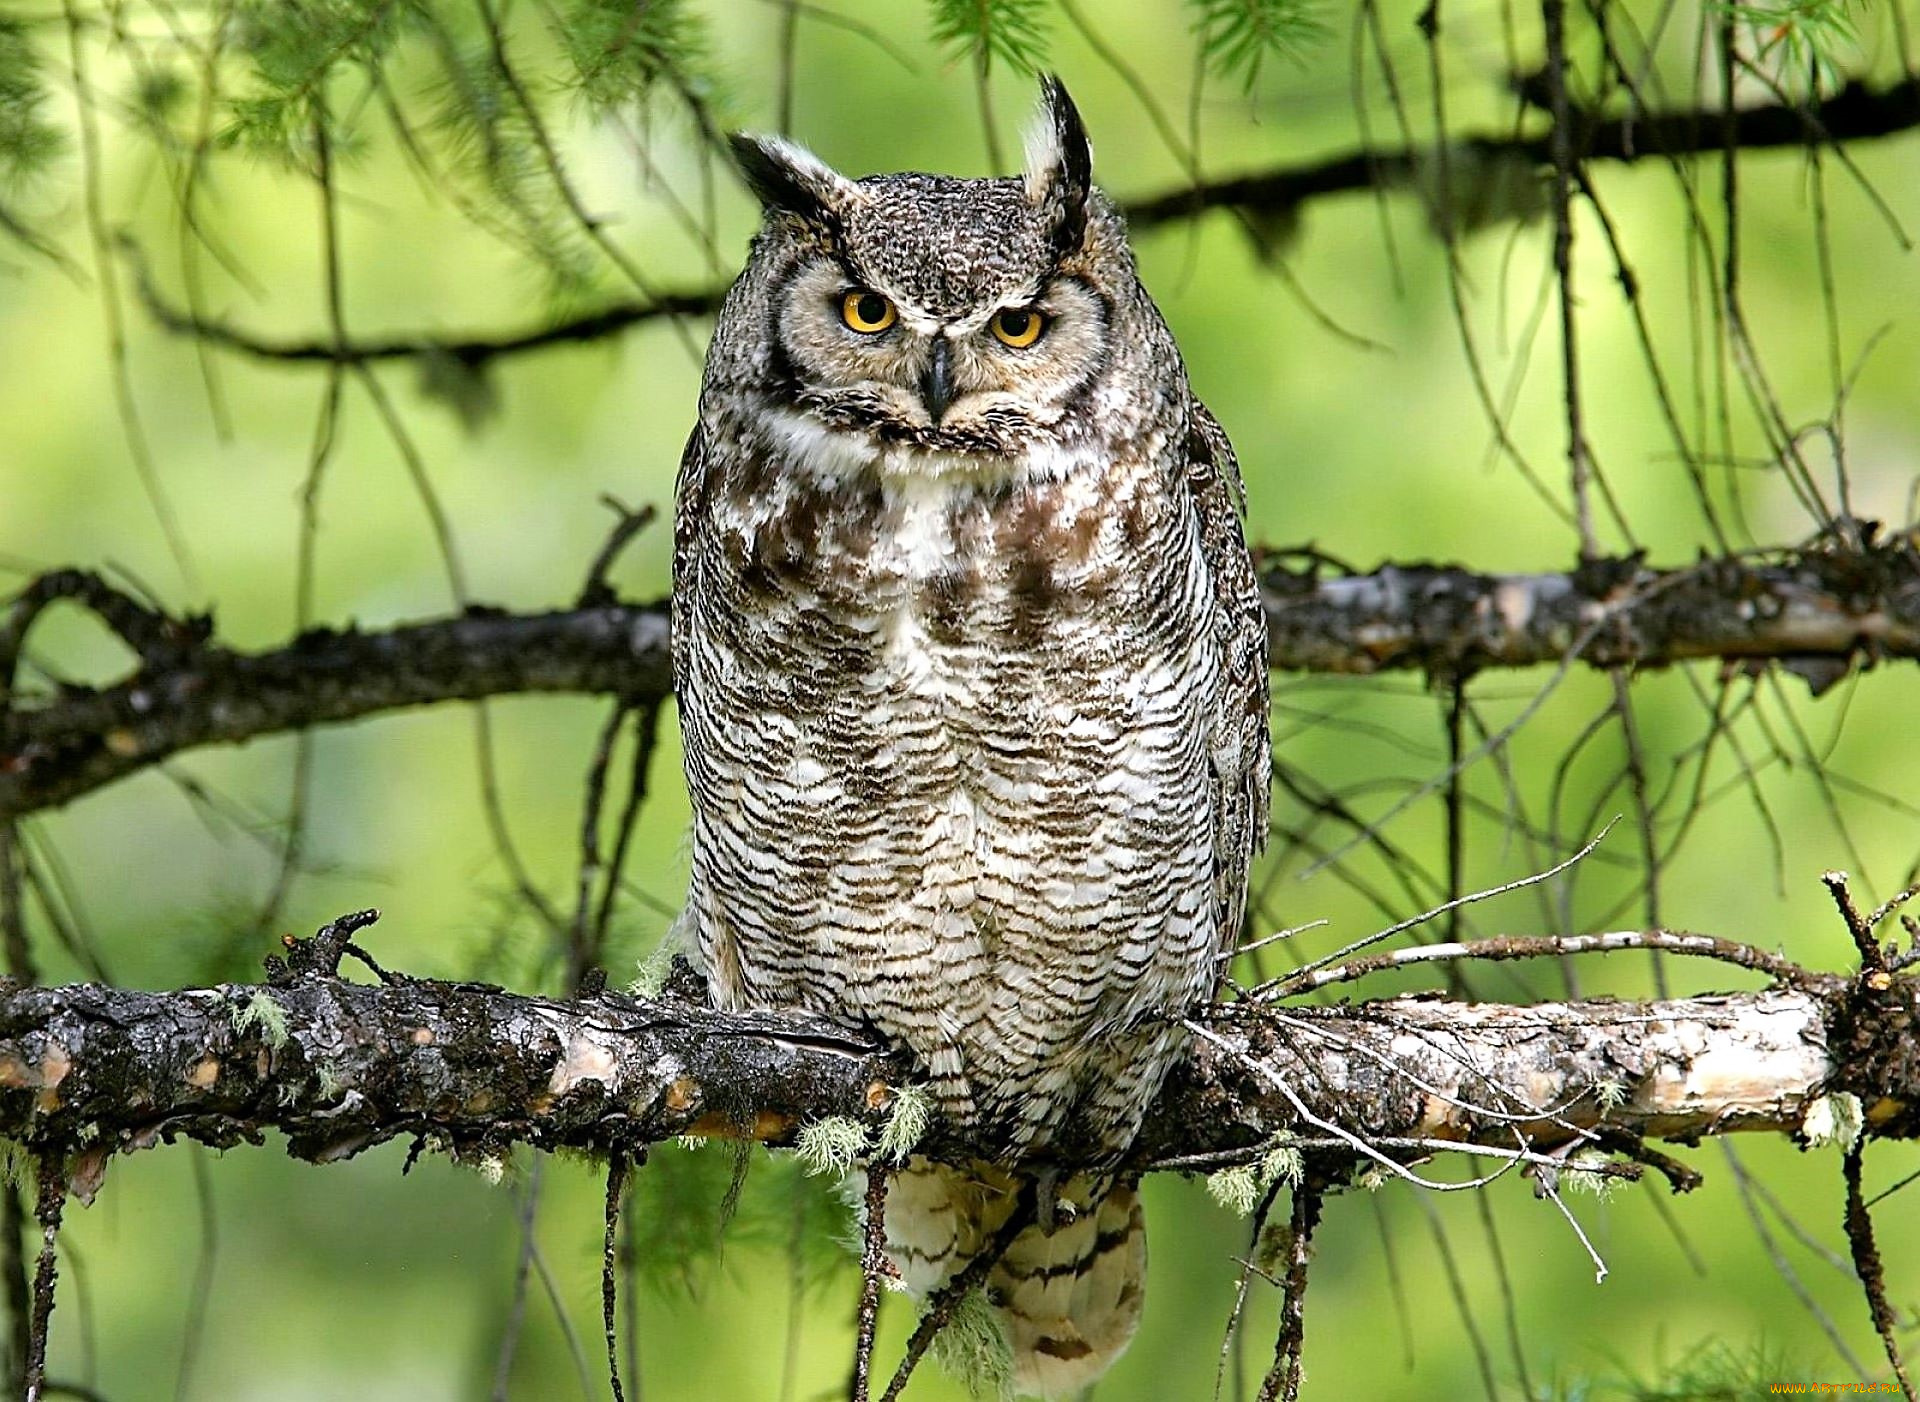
(952, 743)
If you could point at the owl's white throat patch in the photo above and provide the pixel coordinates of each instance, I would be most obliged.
(835, 455)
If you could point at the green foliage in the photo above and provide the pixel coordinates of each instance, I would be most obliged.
(1238, 36)
(1714, 1372)
(292, 52)
(1012, 31)
(29, 143)
(159, 91)
(486, 123)
(1805, 39)
(681, 1233)
(621, 51)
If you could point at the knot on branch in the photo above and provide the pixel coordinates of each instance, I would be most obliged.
(319, 956)
(1873, 1023)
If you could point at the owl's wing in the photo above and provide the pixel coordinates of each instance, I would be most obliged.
(1242, 749)
(689, 519)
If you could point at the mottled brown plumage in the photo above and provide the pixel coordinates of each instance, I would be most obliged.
(972, 675)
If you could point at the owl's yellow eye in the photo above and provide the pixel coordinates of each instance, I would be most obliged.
(867, 311)
(1017, 326)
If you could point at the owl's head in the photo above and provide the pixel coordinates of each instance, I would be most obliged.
(960, 315)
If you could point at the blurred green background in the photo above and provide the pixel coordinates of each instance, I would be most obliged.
(1330, 348)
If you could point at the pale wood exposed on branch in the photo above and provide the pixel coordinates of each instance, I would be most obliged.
(1819, 612)
(338, 1066)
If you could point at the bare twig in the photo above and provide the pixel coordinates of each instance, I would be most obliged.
(52, 1187)
(1744, 956)
(1866, 1262)
(873, 1260)
(618, 1169)
(1282, 1383)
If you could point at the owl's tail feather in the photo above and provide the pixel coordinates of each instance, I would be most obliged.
(1068, 1300)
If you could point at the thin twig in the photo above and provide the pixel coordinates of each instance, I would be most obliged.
(51, 1202)
(618, 1167)
(1301, 978)
(940, 1308)
(1282, 1383)
(873, 1259)
(1866, 1262)
(1744, 956)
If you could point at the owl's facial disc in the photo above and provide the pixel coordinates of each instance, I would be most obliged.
(964, 316)
(995, 378)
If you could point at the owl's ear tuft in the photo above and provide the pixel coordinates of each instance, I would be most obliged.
(1060, 164)
(789, 179)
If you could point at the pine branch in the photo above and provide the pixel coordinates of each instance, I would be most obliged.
(1855, 113)
(338, 1067)
(1817, 612)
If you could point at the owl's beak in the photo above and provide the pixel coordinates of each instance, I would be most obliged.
(936, 382)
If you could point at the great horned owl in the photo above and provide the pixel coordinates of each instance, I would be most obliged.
(972, 678)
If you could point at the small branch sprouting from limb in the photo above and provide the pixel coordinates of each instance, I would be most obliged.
(1297, 981)
(1866, 1263)
(873, 1264)
(320, 956)
(1680, 1177)
(1282, 1383)
(619, 1167)
(1873, 959)
(597, 592)
(47, 1210)
(1500, 947)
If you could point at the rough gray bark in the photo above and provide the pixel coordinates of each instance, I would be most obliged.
(337, 1066)
(1818, 612)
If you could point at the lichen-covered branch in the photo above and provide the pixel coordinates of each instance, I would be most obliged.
(337, 1066)
(1818, 612)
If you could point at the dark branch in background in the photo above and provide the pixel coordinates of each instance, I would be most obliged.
(89, 1070)
(1855, 113)
(471, 351)
(82, 739)
(1819, 612)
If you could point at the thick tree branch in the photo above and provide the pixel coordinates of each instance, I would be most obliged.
(337, 1067)
(1856, 113)
(1819, 612)
(80, 740)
